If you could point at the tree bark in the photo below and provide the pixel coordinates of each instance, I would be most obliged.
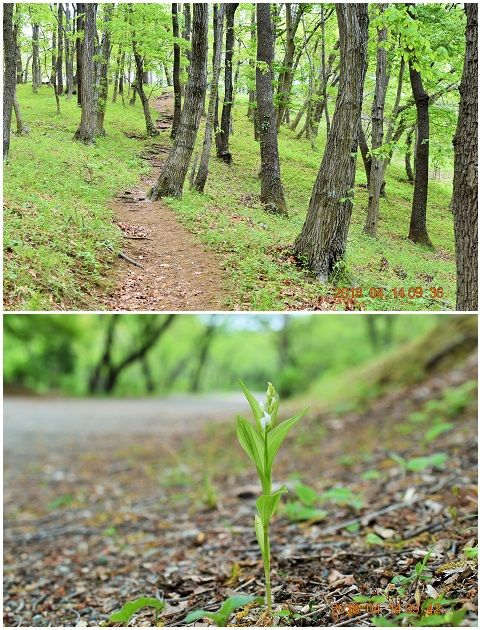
(378, 108)
(286, 75)
(222, 137)
(272, 196)
(36, 73)
(465, 193)
(19, 68)
(121, 75)
(418, 220)
(86, 131)
(116, 76)
(176, 69)
(173, 174)
(104, 70)
(202, 174)
(69, 54)
(60, 48)
(408, 155)
(322, 242)
(139, 87)
(80, 10)
(9, 76)
(22, 129)
(186, 31)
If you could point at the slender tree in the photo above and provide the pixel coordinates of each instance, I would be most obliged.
(176, 71)
(173, 174)
(36, 72)
(322, 242)
(139, 83)
(86, 131)
(105, 49)
(9, 76)
(79, 11)
(69, 54)
(222, 135)
(465, 193)
(60, 48)
(202, 173)
(285, 78)
(272, 196)
(378, 108)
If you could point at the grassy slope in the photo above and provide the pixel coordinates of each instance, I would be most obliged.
(228, 218)
(58, 226)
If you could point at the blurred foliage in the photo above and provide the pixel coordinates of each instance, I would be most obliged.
(65, 353)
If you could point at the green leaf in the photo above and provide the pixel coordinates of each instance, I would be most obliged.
(296, 511)
(471, 552)
(305, 494)
(278, 434)
(417, 464)
(221, 617)
(373, 539)
(252, 444)
(375, 599)
(259, 529)
(437, 430)
(124, 614)
(267, 504)
(254, 404)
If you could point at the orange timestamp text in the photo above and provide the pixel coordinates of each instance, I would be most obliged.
(400, 293)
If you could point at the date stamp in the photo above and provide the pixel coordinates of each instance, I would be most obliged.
(382, 293)
(355, 609)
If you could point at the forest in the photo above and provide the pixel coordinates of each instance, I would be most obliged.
(200, 157)
(130, 497)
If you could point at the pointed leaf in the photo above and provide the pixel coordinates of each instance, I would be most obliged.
(231, 604)
(278, 434)
(254, 447)
(254, 404)
(267, 504)
(258, 526)
(124, 614)
(198, 614)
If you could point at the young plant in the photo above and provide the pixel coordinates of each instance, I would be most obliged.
(261, 444)
(221, 617)
(124, 614)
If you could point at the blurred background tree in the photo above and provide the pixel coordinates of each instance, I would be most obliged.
(139, 355)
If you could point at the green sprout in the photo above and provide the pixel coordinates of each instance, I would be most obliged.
(261, 444)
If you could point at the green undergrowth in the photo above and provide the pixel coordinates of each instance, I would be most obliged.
(59, 235)
(254, 245)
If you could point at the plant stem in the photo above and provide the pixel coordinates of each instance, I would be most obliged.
(267, 571)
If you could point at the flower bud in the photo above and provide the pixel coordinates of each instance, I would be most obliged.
(266, 422)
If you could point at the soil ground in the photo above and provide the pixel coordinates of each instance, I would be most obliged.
(165, 509)
(177, 273)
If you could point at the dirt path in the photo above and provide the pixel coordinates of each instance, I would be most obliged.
(177, 273)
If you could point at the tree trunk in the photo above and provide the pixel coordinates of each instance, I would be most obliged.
(173, 174)
(202, 174)
(22, 129)
(121, 75)
(36, 73)
(69, 61)
(60, 49)
(139, 88)
(272, 196)
(104, 70)
(86, 131)
(378, 108)
(186, 31)
(408, 155)
(176, 69)
(365, 152)
(9, 76)
(168, 75)
(204, 345)
(418, 221)
(322, 242)
(286, 75)
(19, 66)
(222, 137)
(465, 194)
(116, 76)
(80, 10)
(53, 69)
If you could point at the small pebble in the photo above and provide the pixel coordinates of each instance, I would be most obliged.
(37, 620)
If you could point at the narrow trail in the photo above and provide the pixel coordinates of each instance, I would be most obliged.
(178, 273)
